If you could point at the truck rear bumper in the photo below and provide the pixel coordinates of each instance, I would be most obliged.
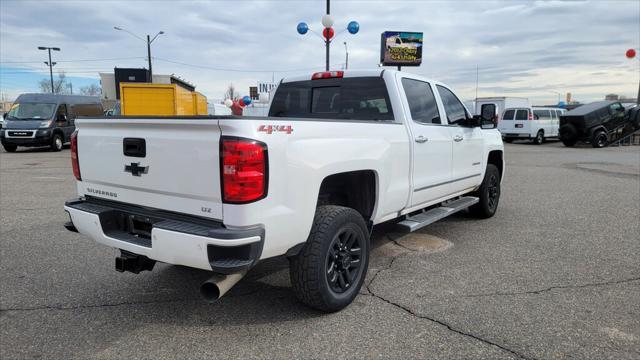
(167, 237)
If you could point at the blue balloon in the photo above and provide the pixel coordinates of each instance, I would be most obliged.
(353, 27)
(246, 100)
(562, 104)
(303, 28)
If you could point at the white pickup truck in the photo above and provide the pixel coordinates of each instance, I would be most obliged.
(339, 153)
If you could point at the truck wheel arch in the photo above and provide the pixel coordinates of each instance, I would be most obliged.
(496, 157)
(594, 129)
(356, 189)
(59, 132)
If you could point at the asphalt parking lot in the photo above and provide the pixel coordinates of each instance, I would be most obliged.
(555, 274)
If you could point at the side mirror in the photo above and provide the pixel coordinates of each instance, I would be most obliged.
(62, 117)
(488, 116)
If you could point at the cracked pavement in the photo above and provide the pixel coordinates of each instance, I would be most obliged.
(555, 274)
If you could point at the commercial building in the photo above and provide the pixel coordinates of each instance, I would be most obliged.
(110, 82)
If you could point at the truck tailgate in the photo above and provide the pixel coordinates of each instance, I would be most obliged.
(171, 164)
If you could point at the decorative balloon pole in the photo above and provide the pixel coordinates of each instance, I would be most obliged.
(327, 32)
(237, 105)
(631, 53)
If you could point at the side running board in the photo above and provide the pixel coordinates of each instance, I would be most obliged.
(415, 222)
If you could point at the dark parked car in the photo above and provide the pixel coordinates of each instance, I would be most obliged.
(596, 123)
(45, 119)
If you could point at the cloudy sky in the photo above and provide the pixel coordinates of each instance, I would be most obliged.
(521, 48)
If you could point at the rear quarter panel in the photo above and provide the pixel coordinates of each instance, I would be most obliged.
(301, 159)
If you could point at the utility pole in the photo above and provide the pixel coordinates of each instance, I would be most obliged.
(477, 77)
(149, 57)
(346, 56)
(71, 88)
(50, 63)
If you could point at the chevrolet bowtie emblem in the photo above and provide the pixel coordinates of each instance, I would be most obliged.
(135, 169)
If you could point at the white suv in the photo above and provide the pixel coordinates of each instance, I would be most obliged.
(531, 123)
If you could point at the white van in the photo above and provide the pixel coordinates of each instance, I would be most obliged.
(501, 103)
(530, 123)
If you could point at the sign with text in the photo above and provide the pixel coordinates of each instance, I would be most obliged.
(401, 48)
(265, 87)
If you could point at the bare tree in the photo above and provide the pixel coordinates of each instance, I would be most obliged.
(231, 93)
(91, 90)
(60, 85)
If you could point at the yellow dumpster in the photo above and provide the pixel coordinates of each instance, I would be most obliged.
(160, 100)
(199, 103)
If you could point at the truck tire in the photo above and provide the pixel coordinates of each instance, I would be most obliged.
(56, 142)
(599, 139)
(634, 117)
(329, 270)
(539, 139)
(568, 135)
(10, 147)
(488, 193)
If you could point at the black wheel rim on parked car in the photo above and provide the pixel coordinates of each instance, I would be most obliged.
(493, 192)
(344, 259)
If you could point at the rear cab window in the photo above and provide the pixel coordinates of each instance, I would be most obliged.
(355, 98)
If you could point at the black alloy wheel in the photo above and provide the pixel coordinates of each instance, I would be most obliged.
(329, 270)
(493, 192)
(343, 260)
(488, 194)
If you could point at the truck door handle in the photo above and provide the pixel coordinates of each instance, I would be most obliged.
(457, 138)
(421, 139)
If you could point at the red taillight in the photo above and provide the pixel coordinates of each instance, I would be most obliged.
(530, 115)
(74, 155)
(244, 170)
(327, 75)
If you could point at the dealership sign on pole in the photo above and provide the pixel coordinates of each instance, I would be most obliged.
(265, 87)
(401, 48)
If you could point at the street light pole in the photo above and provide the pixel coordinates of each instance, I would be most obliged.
(50, 63)
(51, 71)
(149, 40)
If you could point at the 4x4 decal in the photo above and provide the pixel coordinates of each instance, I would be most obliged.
(269, 129)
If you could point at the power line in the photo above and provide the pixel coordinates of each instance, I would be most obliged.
(233, 70)
(156, 58)
(75, 60)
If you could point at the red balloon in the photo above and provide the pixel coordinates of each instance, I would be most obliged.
(631, 53)
(236, 109)
(240, 103)
(328, 33)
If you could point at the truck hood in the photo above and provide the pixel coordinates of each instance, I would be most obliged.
(22, 124)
